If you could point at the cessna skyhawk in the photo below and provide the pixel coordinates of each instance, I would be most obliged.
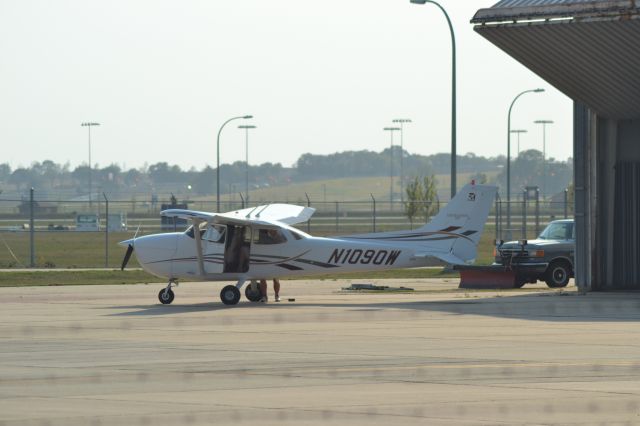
(260, 243)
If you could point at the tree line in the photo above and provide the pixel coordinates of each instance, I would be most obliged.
(528, 169)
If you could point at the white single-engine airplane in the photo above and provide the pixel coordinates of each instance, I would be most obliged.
(260, 243)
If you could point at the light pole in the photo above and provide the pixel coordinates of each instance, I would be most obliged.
(391, 130)
(246, 128)
(544, 154)
(518, 132)
(453, 93)
(402, 121)
(509, 157)
(244, 117)
(88, 125)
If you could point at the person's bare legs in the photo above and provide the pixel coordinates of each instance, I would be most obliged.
(276, 288)
(263, 290)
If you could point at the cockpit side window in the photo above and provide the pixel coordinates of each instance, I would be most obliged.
(269, 236)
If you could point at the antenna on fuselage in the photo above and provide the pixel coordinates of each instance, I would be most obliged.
(260, 212)
(248, 216)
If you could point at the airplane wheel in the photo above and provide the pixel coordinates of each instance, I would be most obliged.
(166, 296)
(250, 294)
(230, 295)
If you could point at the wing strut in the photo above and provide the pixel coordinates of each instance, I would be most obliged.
(196, 235)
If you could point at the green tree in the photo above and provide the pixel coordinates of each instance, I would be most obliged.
(422, 197)
(429, 196)
(413, 205)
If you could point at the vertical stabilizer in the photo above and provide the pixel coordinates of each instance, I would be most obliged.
(464, 218)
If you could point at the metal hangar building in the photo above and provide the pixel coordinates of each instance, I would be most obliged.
(589, 50)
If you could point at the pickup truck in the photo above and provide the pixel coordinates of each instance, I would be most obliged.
(548, 258)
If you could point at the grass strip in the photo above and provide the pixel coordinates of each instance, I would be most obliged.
(112, 277)
(57, 278)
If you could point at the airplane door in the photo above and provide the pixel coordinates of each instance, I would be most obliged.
(213, 248)
(237, 249)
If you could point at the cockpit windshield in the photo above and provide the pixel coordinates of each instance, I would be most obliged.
(189, 232)
(558, 231)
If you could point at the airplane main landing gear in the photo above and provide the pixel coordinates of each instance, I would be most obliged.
(166, 295)
(230, 295)
(252, 292)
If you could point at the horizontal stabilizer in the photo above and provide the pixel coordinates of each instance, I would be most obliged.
(445, 257)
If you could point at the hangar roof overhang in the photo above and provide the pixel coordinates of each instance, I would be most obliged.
(589, 50)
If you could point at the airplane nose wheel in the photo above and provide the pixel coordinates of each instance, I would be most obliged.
(230, 295)
(166, 295)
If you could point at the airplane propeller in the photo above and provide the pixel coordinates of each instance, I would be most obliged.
(130, 247)
(127, 255)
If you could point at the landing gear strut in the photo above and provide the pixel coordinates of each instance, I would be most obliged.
(166, 295)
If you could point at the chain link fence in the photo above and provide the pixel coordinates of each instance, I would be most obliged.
(83, 234)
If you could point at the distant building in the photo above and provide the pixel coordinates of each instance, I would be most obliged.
(39, 208)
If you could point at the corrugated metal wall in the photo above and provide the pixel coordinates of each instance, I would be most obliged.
(626, 272)
(581, 173)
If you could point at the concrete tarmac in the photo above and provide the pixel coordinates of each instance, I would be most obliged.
(112, 355)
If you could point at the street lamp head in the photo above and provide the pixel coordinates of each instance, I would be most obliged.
(90, 124)
(543, 122)
(401, 120)
(246, 117)
(418, 1)
(391, 128)
(246, 126)
(538, 90)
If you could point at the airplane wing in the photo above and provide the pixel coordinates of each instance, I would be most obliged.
(188, 214)
(216, 218)
(265, 215)
(285, 213)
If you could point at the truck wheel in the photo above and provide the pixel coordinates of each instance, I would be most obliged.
(557, 274)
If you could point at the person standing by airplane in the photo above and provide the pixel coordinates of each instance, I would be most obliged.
(276, 290)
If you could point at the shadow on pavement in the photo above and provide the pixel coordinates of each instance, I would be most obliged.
(552, 307)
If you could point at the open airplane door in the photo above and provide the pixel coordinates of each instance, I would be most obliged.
(214, 238)
(237, 249)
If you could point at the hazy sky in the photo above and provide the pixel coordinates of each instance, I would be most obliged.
(319, 77)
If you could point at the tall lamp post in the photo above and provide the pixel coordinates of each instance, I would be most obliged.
(88, 125)
(246, 128)
(453, 93)
(391, 130)
(544, 154)
(518, 132)
(509, 157)
(402, 121)
(244, 117)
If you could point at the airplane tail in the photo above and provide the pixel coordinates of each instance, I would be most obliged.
(458, 226)
(453, 234)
